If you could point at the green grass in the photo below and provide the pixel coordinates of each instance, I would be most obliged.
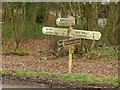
(4, 70)
(72, 76)
(83, 78)
(86, 79)
(44, 74)
(24, 73)
(111, 80)
(20, 51)
(102, 52)
(109, 51)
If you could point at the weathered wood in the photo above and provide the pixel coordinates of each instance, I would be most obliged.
(68, 42)
(65, 21)
(55, 31)
(94, 35)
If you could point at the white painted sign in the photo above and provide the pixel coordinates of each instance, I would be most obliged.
(1, 22)
(65, 21)
(55, 31)
(94, 35)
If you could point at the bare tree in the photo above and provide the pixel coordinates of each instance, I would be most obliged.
(118, 23)
(93, 19)
(111, 18)
(12, 16)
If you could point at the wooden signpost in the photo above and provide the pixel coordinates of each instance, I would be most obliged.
(67, 42)
(55, 31)
(73, 35)
(93, 35)
(65, 21)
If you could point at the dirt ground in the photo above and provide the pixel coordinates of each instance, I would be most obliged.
(99, 67)
(47, 62)
(95, 68)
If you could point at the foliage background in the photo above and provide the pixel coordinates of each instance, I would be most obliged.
(24, 21)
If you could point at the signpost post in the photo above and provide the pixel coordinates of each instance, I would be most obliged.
(71, 49)
(73, 35)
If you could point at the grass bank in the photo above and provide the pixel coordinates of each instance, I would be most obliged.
(79, 78)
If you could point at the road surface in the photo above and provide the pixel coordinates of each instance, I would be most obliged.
(7, 83)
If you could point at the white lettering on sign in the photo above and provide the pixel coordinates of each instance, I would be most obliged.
(65, 21)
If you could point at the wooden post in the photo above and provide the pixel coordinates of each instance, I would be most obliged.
(71, 51)
(70, 60)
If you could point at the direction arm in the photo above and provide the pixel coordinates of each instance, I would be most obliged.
(55, 31)
(93, 35)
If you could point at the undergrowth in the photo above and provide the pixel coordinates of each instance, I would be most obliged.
(102, 52)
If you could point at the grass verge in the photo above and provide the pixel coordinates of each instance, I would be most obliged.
(83, 78)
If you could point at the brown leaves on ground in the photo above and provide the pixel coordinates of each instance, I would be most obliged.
(47, 62)
(99, 68)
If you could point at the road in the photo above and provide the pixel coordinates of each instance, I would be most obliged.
(9, 81)
(21, 84)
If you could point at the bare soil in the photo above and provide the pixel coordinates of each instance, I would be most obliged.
(48, 62)
(38, 63)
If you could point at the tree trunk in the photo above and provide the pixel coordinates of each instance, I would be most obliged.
(93, 20)
(11, 11)
(111, 17)
(118, 23)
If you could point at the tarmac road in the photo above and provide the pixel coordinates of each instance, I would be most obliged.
(9, 81)
(21, 84)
